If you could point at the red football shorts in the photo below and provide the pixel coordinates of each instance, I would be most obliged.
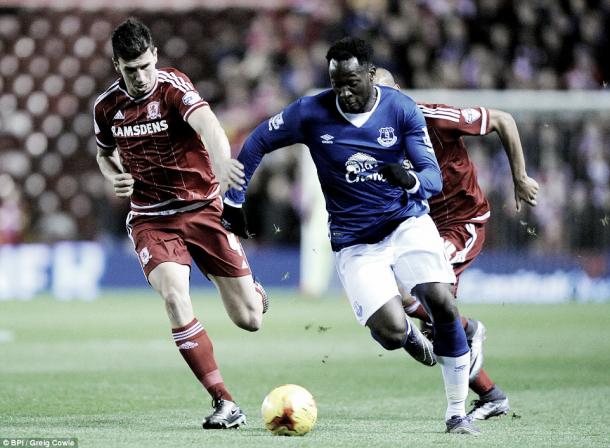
(463, 242)
(189, 236)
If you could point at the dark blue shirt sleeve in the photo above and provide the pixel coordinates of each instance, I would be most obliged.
(283, 129)
(421, 154)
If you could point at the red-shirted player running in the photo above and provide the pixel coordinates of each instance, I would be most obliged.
(149, 127)
(461, 211)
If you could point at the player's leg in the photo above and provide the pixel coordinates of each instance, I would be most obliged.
(171, 281)
(389, 327)
(166, 263)
(221, 257)
(223, 261)
(421, 262)
(368, 279)
(492, 400)
(414, 308)
(243, 299)
(474, 329)
(463, 243)
(452, 352)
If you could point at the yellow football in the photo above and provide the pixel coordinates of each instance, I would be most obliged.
(289, 410)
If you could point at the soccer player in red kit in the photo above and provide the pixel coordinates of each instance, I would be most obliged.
(161, 145)
(461, 210)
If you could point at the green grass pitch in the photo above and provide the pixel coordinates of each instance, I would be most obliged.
(108, 373)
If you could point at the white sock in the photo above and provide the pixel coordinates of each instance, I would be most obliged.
(455, 375)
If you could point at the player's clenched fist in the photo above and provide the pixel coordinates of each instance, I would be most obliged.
(396, 175)
(123, 185)
(234, 220)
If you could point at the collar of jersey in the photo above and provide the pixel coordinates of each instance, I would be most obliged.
(141, 98)
(359, 120)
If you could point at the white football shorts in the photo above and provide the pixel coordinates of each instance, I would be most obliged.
(412, 254)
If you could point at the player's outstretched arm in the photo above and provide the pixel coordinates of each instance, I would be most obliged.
(110, 166)
(279, 131)
(228, 171)
(526, 188)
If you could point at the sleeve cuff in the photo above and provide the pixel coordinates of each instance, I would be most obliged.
(193, 108)
(232, 203)
(416, 186)
(104, 145)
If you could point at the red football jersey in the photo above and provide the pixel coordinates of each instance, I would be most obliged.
(461, 199)
(157, 146)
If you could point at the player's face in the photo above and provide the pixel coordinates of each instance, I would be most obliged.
(139, 74)
(353, 85)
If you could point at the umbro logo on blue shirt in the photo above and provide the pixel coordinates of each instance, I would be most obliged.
(327, 139)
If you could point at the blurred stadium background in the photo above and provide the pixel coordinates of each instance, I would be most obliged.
(545, 61)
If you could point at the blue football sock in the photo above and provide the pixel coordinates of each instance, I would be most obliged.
(450, 339)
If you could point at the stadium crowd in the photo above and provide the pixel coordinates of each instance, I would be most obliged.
(249, 63)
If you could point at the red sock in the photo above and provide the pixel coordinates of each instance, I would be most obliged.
(418, 313)
(481, 383)
(196, 349)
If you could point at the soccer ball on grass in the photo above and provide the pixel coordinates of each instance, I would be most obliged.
(289, 410)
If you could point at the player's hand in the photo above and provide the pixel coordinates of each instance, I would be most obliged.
(526, 189)
(234, 220)
(123, 185)
(231, 175)
(396, 175)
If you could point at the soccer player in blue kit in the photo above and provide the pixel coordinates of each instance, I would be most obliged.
(358, 135)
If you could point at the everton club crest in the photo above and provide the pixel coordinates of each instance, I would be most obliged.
(386, 137)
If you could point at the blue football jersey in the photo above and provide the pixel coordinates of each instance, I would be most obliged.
(348, 150)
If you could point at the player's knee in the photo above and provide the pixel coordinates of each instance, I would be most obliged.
(247, 315)
(440, 301)
(390, 338)
(249, 321)
(243, 303)
(254, 323)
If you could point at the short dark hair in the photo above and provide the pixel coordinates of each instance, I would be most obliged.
(350, 47)
(131, 39)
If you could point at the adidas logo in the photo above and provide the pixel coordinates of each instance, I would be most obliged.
(188, 345)
(119, 116)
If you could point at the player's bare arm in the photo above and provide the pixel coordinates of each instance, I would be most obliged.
(110, 166)
(526, 188)
(229, 171)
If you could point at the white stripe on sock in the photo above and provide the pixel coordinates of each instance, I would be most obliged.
(181, 336)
